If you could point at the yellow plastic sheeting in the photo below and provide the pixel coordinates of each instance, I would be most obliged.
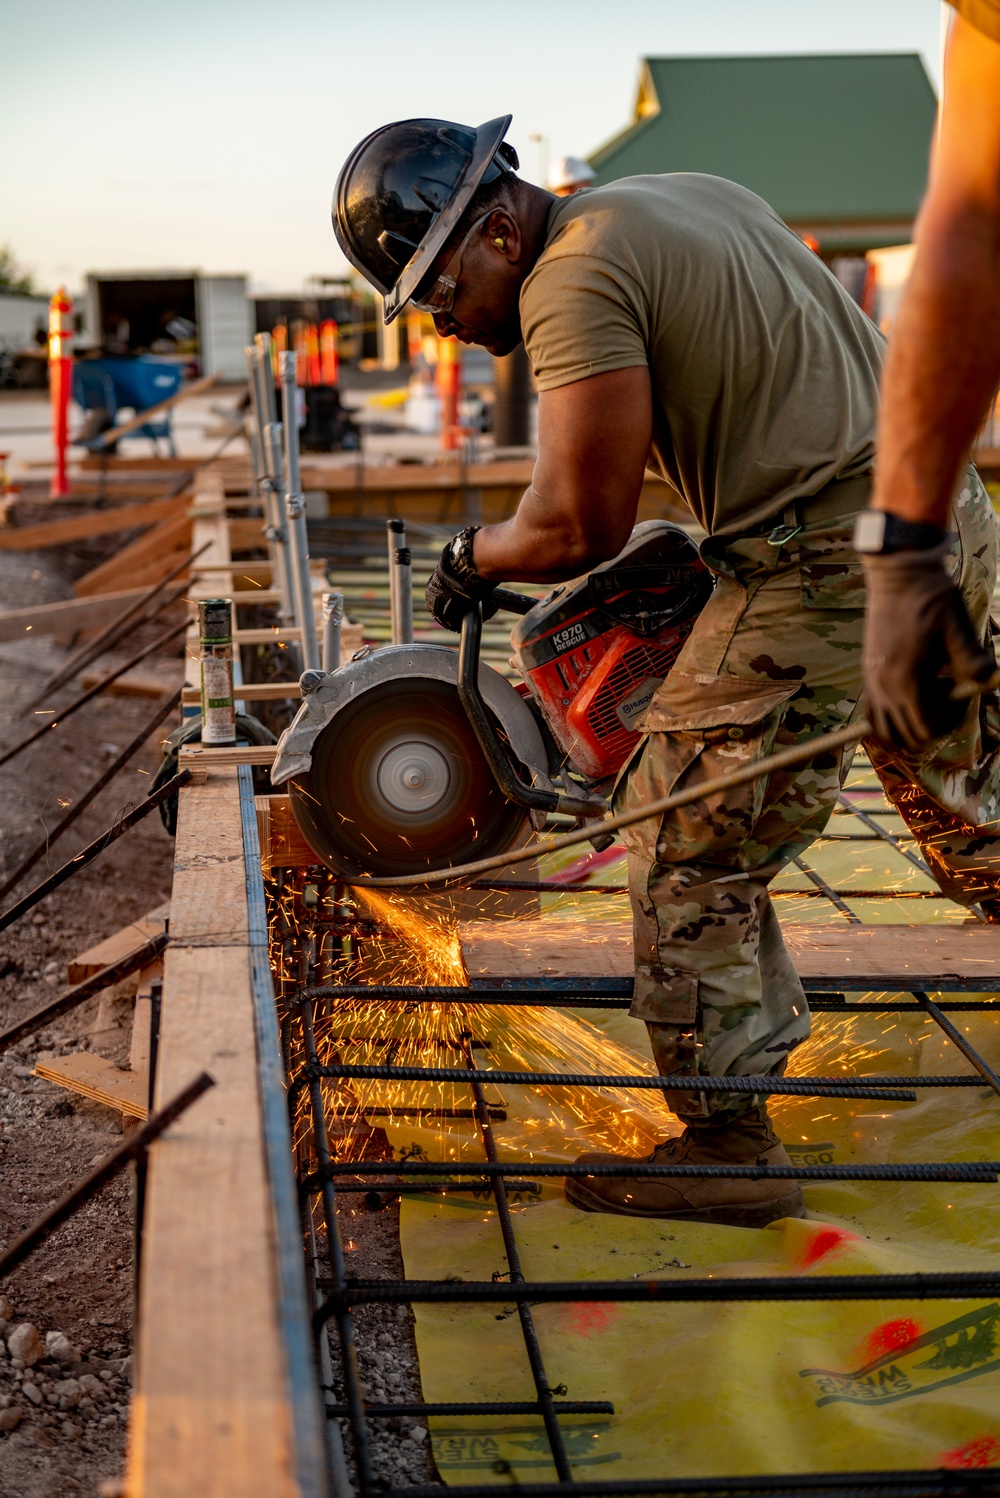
(739, 1388)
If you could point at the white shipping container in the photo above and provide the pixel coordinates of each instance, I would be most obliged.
(223, 325)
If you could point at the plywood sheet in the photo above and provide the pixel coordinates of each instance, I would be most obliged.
(100, 1080)
(907, 956)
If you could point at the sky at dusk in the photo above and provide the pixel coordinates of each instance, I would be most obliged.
(208, 133)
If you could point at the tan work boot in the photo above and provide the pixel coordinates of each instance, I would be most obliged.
(738, 1203)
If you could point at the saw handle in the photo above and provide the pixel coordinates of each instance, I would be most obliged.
(535, 798)
(514, 603)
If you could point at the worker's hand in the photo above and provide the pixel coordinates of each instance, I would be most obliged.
(922, 660)
(455, 586)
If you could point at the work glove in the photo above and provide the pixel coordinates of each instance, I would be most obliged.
(455, 586)
(922, 659)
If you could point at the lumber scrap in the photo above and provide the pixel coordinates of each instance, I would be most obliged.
(68, 616)
(100, 1080)
(226, 1422)
(877, 956)
(116, 946)
(82, 527)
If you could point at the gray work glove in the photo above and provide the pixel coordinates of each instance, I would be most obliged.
(922, 659)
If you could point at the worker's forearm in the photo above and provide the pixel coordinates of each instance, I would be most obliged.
(532, 547)
(943, 364)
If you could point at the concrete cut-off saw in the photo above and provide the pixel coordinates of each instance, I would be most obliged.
(416, 758)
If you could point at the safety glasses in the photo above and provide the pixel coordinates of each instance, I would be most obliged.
(441, 296)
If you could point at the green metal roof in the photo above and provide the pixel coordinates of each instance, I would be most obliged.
(823, 139)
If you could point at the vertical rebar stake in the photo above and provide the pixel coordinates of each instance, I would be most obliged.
(295, 509)
(400, 583)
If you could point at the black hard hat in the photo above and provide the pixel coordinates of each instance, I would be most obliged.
(402, 191)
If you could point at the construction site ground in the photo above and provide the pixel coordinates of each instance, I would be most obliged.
(81, 1281)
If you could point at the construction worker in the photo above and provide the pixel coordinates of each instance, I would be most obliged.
(942, 371)
(676, 320)
(569, 175)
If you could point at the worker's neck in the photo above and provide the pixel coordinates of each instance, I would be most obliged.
(534, 207)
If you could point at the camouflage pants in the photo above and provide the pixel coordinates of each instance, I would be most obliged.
(775, 658)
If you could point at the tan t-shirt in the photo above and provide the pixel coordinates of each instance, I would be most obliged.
(765, 372)
(983, 14)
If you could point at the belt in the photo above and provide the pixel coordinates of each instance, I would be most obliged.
(839, 498)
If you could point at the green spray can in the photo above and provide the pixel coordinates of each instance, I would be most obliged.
(218, 710)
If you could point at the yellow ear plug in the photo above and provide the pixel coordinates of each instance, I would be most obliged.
(499, 242)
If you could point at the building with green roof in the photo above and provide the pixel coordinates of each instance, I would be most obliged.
(838, 145)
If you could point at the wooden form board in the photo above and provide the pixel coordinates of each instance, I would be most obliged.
(97, 523)
(439, 491)
(882, 956)
(100, 1080)
(113, 948)
(217, 1422)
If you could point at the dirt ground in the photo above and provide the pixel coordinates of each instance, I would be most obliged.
(68, 1433)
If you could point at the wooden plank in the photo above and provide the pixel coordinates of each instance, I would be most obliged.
(99, 1079)
(97, 523)
(248, 597)
(218, 1423)
(116, 946)
(225, 758)
(247, 535)
(207, 904)
(892, 956)
(154, 547)
(257, 691)
(251, 572)
(67, 616)
(280, 633)
(211, 1411)
(282, 845)
(142, 1018)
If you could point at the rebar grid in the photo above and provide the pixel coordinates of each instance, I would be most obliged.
(381, 1180)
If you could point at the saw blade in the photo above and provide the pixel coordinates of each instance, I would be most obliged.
(398, 784)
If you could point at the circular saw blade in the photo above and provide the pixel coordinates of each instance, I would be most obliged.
(398, 784)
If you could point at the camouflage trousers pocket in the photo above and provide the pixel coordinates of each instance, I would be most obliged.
(664, 995)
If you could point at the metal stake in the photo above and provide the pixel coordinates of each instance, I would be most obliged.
(400, 583)
(295, 508)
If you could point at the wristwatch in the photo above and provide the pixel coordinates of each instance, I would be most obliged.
(878, 532)
(460, 558)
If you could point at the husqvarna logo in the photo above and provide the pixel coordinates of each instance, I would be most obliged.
(565, 639)
(635, 704)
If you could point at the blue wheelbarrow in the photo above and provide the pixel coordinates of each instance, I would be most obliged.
(102, 387)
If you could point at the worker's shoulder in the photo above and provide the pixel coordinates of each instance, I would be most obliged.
(984, 15)
(671, 206)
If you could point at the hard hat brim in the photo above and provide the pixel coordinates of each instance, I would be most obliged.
(488, 139)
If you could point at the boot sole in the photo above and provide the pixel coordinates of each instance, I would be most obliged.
(736, 1215)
